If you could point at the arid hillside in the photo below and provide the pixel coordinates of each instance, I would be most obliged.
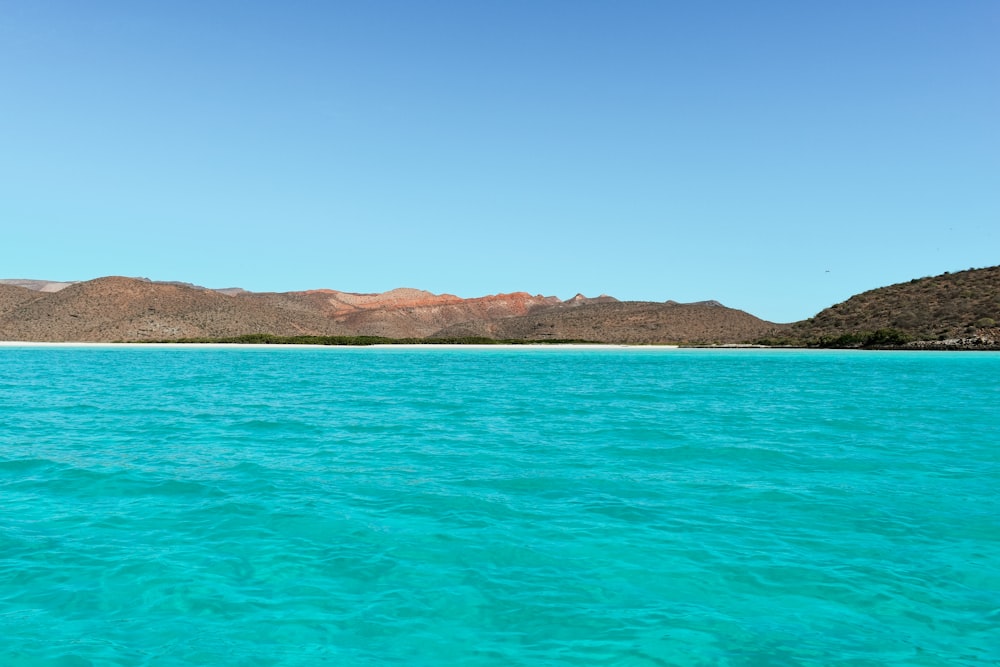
(635, 322)
(115, 309)
(952, 306)
(403, 313)
(954, 309)
(131, 309)
(12, 297)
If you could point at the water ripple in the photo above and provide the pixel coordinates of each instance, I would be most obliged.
(494, 507)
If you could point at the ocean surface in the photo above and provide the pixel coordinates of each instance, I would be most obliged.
(400, 506)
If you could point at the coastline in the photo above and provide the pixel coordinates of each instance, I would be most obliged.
(272, 346)
(9, 344)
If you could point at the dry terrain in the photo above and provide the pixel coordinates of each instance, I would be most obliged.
(636, 322)
(953, 310)
(964, 305)
(131, 309)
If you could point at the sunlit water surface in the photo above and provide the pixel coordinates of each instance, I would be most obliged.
(498, 507)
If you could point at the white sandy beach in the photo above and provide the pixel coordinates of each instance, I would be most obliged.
(425, 346)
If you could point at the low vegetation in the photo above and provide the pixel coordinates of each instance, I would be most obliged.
(951, 311)
(270, 339)
(952, 306)
(880, 339)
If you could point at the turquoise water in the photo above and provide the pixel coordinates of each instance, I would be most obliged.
(498, 507)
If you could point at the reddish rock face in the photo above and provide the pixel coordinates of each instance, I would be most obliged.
(117, 308)
(341, 303)
(950, 309)
(403, 297)
(419, 318)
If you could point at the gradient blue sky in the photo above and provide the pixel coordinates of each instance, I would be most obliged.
(776, 156)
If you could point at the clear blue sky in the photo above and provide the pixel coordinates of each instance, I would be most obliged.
(776, 156)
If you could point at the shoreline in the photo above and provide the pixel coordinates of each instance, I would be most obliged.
(271, 346)
(9, 344)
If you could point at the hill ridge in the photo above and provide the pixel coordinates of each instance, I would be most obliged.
(959, 309)
(951, 306)
(114, 308)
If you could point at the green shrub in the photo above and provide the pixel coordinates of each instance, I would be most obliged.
(879, 338)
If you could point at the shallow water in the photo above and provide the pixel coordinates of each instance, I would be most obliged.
(496, 506)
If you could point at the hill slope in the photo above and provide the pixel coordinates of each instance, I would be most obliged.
(403, 313)
(117, 308)
(960, 309)
(635, 322)
(950, 306)
(13, 297)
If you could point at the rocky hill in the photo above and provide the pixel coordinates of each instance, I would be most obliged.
(115, 308)
(12, 297)
(951, 310)
(635, 322)
(131, 309)
(953, 307)
(405, 313)
(36, 285)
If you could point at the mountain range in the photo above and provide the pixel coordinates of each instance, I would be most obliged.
(954, 309)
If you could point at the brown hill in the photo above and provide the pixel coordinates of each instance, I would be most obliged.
(399, 313)
(117, 308)
(419, 321)
(635, 322)
(36, 285)
(12, 297)
(950, 306)
(962, 307)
